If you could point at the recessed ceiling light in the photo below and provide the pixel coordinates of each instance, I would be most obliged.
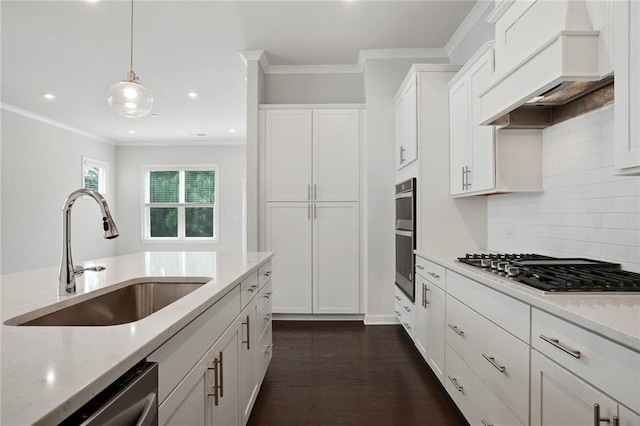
(131, 131)
(154, 115)
(192, 95)
(48, 95)
(201, 134)
(232, 130)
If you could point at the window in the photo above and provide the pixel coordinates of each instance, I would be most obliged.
(94, 175)
(180, 203)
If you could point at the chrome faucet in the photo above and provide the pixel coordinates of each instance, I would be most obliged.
(68, 272)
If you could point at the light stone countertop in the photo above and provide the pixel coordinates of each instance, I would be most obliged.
(613, 315)
(50, 372)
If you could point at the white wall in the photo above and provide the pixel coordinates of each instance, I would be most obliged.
(382, 79)
(585, 210)
(41, 166)
(313, 88)
(231, 161)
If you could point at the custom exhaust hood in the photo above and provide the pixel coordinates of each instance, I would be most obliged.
(547, 56)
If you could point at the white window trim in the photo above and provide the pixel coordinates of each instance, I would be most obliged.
(103, 177)
(146, 238)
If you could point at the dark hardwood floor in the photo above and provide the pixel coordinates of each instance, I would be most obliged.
(345, 373)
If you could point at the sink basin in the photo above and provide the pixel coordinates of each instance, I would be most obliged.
(121, 306)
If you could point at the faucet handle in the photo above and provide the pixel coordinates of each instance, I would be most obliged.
(79, 270)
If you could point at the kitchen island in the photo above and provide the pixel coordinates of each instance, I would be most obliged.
(49, 372)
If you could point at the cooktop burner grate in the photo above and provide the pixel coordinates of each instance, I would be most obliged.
(557, 274)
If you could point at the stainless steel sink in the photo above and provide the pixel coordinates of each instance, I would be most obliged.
(125, 305)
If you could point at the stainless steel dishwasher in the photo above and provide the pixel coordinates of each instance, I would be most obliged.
(130, 400)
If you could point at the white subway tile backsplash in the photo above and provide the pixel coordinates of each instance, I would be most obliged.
(585, 210)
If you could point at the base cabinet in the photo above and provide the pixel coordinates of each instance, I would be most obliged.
(560, 398)
(210, 372)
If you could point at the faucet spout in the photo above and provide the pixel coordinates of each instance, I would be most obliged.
(68, 272)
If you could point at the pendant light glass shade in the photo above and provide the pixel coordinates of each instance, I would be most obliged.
(129, 98)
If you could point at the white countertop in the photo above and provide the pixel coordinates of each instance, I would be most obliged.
(49, 372)
(612, 315)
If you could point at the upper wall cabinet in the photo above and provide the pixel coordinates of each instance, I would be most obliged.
(627, 88)
(312, 155)
(485, 160)
(406, 123)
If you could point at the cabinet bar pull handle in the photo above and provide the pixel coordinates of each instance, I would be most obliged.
(315, 211)
(485, 423)
(248, 341)
(596, 416)
(402, 150)
(397, 297)
(406, 324)
(468, 173)
(397, 313)
(315, 191)
(252, 288)
(436, 276)
(267, 317)
(268, 350)
(420, 267)
(455, 384)
(308, 192)
(267, 274)
(408, 309)
(309, 211)
(268, 294)
(216, 386)
(426, 290)
(221, 381)
(493, 362)
(455, 328)
(616, 421)
(555, 342)
(464, 185)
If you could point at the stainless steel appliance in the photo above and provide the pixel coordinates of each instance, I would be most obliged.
(550, 274)
(130, 400)
(405, 236)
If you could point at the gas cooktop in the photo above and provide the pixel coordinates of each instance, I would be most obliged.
(551, 274)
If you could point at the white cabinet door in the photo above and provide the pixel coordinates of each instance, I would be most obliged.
(225, 409)
(560, 398)
(460, 135)
(627, 417)
(421, 336)
(288, 155)
(208, 395)
(435, 303)
(407, 125)
(482, 174)
(627, 88)
(288, 234)
(248, 370)
(335, 155)
(336, 278)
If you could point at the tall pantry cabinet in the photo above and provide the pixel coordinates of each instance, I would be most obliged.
(312, 210)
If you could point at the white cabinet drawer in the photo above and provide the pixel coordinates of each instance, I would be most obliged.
(431, 271)
(478, 404)
(265, 352)
(497, 357)
(264, 319)
(607, 365)
(407, 305)
(180, 353)
(264, 274)
(507, 312)
(405, 320)
(248, 289)
(264, 296)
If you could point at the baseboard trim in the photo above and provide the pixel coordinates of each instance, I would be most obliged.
(380, 320)
(318, 317)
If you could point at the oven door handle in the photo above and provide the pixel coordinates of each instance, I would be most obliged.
(406, 194)
(404, 233)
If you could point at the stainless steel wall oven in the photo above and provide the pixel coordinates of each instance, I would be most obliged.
(406, 236)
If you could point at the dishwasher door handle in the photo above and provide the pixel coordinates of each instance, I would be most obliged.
(148, 412)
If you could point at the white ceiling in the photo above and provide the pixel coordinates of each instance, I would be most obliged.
(77, 49)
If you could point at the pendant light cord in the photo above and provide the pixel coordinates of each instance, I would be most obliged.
(131, 64)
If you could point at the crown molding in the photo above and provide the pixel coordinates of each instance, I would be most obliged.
(367, 54)
(180, 143)
(314, 69)
(467, 25)
(499, 10)
(37, 117)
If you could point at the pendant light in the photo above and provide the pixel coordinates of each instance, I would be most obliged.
(129, 98)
